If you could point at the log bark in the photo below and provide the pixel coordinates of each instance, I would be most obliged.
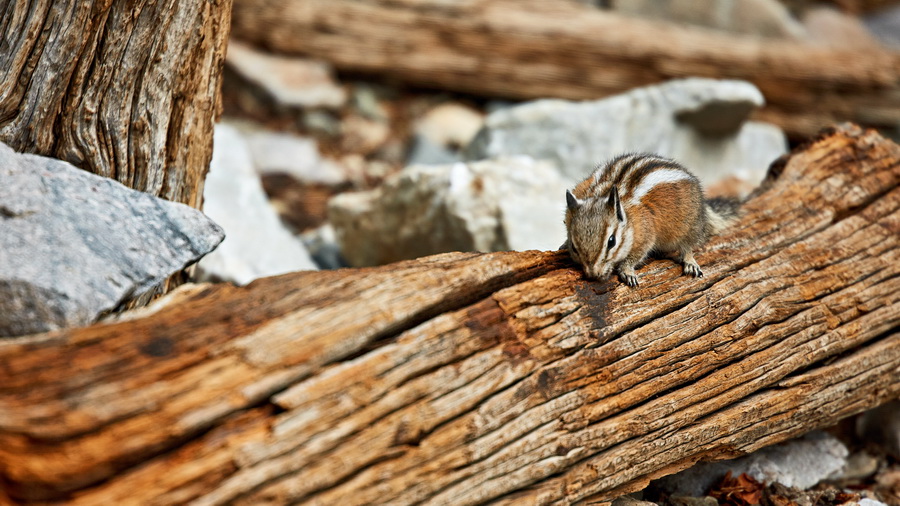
(468, 377)
(126, 90)
(537, 49)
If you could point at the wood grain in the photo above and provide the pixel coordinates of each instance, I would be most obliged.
(467, 378)
(536, 49)
(126, 90)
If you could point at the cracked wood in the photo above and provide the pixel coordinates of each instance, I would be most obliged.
(126, 90)
(467, 378)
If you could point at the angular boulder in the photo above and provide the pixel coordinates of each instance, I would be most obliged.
(74, 245)
(258, 244)
(492, 205)
(699, 122)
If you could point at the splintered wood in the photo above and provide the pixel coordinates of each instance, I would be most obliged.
(529, 49)
(466, 378)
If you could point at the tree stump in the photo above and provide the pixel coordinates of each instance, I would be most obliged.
(467, 377)
(528, 49)
(126, 90)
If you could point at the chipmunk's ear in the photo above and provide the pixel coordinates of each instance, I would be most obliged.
(571, 202)
(616, 204)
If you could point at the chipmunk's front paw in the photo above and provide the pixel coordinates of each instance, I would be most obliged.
(629, 278)
(692, 269)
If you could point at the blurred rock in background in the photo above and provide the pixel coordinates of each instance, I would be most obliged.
(490, 205)
(764, 18)
(256, 243)
(699, 122)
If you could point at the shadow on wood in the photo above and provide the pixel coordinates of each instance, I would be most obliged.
(469, 377)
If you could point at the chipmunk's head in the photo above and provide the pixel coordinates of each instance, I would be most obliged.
(599, 237)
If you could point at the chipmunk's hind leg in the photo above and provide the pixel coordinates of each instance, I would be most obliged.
(691, 267)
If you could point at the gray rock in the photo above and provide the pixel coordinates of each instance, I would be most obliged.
(800, 463)
(289, 81)
(322, 245)
(492, 205)
(257, 243)
(699, 122)
(424, 151)
(75, 245)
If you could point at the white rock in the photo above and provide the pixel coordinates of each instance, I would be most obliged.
(491, 205)
(289, 81)
(277, 152)
(799, 463)
(450, 124)
(865, 501)
(699, 122)
(256, 243)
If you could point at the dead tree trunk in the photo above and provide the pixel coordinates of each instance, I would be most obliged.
(536, 49)
(469, 377)
(126, 90)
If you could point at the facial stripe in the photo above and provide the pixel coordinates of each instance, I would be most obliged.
(627, 241)
(657, 177)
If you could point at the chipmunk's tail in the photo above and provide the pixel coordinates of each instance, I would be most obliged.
(721, 212)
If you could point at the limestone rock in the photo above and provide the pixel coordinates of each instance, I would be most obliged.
(75, 245)
(450, 124)
(699, 122)
(800, 463)
(288, 81)
(492, 205)
(257, 244)
(441, 132)
(299, 157)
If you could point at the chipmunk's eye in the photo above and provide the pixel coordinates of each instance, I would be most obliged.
(611, 242)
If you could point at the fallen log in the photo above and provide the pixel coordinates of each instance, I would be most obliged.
(468, 377)
(538, 49)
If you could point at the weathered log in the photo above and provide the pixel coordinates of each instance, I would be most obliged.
(126, 90)
(469, 377)
(536, 49)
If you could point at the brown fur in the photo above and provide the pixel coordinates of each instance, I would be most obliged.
(671, 217)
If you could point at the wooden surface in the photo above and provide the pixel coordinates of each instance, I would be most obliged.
(528, 49)
(126, 90)
(464, 378)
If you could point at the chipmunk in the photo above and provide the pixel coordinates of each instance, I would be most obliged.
(637, 204)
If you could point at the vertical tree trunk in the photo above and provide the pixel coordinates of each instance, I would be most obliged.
(124, 89)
